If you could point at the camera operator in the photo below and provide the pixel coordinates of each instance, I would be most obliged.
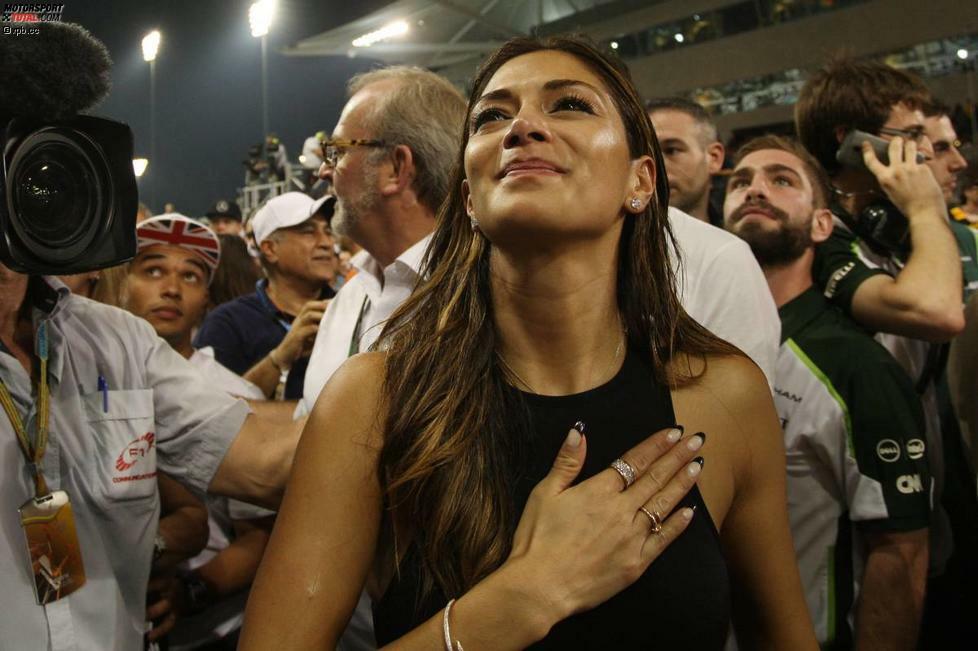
(902, 281)
(95, 403)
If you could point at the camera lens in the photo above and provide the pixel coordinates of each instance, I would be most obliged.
(51, 193)
(56, 181)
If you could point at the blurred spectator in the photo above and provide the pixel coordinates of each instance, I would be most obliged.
(111, 286)
(692, 154)
(266, 336)
(236, 273)
(82, 284)
(225, 217)
(312, 152)
(277, 158)
(947, 164)
(967, 212)
(168, 208)
(143, 213)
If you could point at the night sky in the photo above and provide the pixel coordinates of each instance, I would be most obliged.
(208, 93)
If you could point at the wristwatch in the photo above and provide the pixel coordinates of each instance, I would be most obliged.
(159, 547)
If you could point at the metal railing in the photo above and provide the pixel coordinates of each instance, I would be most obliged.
(252, 196)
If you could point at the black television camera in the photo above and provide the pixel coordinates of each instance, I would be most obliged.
(68, 194)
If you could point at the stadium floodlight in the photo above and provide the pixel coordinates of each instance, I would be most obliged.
(260, 15)
(614, 45)
(962, 54)
(151, 45)
(397, 28)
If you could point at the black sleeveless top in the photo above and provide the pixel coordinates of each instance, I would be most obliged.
(683, 599)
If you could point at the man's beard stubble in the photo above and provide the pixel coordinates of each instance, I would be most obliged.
(349, 210)
(772, 248)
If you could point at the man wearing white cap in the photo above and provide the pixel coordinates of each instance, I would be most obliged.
(266, 336)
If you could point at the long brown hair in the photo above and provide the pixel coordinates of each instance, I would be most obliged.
(454, 427)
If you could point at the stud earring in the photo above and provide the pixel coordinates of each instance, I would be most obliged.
(636, 204)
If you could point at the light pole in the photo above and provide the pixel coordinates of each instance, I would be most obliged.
(970, 75)
(151, 45)
(260, 15)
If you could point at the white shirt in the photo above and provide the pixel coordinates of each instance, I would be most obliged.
(721, 285)
(221, 377)
(159, 413)
(373, 291)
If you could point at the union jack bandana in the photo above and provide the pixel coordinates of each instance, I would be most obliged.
(178, 230)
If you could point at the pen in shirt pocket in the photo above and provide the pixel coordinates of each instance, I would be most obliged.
(103, 387)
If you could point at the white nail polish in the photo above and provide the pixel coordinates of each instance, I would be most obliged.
(674, 435)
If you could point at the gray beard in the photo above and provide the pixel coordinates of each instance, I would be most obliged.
(343, 221)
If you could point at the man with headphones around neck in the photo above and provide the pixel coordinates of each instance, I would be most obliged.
(910, 295)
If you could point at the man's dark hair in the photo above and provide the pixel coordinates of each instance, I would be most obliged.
(690, 108)
(848, 94)
(935, 108)
(817, 177)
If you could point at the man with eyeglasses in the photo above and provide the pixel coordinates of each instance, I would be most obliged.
(389, 161)
(947, 164)
(910, 293)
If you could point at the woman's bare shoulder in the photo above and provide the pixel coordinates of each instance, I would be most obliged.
(732, 378)
(354, 396)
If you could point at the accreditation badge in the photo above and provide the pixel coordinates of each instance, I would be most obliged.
(52, 543)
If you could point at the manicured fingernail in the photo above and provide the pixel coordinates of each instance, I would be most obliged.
(675, 434)
(687, 513)
(580, 426)
(696, 441)
(694, 468)
(573, 438)
(699, 460)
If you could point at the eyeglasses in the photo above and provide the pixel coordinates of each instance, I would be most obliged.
(943, 146)
(334, 148)
(913, 133)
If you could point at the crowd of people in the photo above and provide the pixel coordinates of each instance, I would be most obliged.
(527, 376)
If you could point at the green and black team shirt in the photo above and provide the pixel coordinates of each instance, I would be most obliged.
(842, 264)
(856, 453)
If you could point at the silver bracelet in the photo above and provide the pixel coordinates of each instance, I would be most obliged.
(449, 646)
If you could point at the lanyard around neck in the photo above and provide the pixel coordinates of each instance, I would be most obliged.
(33, 451)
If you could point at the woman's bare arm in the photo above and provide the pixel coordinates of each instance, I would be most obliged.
(769, 605)
(325, 536)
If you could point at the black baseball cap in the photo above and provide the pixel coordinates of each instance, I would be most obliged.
(225, 208)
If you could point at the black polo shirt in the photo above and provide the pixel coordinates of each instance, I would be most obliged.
(245, 330)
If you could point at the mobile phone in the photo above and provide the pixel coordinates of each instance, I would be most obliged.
(850, 152)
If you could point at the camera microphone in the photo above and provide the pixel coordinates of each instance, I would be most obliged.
(61, 71)
(68, 193)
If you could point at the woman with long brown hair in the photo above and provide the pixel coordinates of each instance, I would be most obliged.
(490, 476)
